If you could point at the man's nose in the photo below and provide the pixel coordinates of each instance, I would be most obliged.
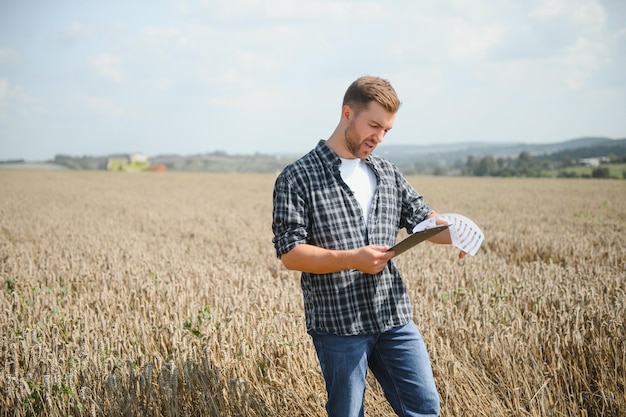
(379, 136)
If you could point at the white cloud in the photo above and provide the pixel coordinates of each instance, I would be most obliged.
(162, 84)
(570, 19)
(73, 32)
(282, 10)
(15, 102)
(103, 106)
(163, 38)
(474, 41)
(7, 55)
(107, 65)
(581, 60)
(587, 15)
(4, 98)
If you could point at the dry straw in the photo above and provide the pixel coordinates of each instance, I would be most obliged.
(160, 294)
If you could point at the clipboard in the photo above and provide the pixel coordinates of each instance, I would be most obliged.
(416, 238)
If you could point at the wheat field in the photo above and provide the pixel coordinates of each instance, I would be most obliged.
(160, 294)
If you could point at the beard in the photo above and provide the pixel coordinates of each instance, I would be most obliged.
(354, 142)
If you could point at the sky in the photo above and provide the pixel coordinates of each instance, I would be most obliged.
(94, 78)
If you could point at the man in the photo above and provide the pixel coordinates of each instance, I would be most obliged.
(337, 211)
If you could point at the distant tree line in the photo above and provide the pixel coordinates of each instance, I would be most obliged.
(525, 165)
(81, 162)
(564, 164)
(211, 162)
(613, 152)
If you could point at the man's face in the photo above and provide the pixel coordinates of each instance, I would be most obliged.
(367, 128)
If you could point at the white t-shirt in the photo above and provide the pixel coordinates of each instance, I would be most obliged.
(361, 181)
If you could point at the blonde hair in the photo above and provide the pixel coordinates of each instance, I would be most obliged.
(369, 88)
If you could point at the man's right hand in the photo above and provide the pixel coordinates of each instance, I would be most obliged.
(372, 259)
(307, 258)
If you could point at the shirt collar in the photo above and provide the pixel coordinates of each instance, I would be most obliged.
(332, 160)
(328, 157)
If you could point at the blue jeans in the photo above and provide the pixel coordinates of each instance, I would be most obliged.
(398, 359)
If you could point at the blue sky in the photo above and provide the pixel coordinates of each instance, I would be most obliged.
(243, 76)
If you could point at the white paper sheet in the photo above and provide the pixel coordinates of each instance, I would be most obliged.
(465, 234)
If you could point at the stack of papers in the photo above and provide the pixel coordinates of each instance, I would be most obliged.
(464, 233)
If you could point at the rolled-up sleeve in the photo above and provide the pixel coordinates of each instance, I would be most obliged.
(414, 209)
(290, 219)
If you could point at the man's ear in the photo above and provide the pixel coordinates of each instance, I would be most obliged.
(346, 113)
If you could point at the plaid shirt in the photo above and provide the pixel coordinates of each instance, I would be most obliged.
(313, 205)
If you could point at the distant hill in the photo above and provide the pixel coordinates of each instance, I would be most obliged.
(402, 155)
(222, 162)
(410, 159)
